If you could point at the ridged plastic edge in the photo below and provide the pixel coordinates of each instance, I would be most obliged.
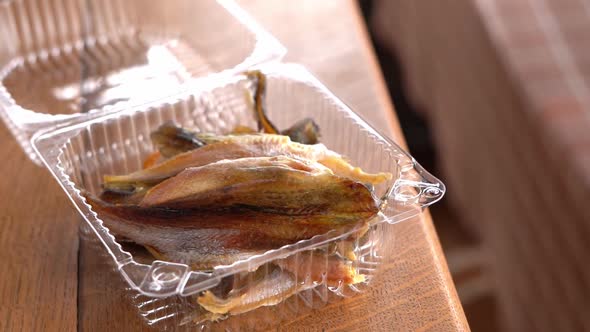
(267, 49)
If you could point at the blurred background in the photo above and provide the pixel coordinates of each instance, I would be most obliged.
(493, 96)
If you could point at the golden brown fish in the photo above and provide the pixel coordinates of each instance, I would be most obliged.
(204, 239)
(235, 147)
(228, 210)
(270, 285)
(263, 289)
(258, 96)
(273, 184)
(171, 140)
(318, 266)
(305, 131)
(153, 159)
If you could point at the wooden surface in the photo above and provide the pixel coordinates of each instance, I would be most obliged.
(38, 247)
(50, 283)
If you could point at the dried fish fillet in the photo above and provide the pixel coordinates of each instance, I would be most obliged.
(231, 209)
(266, 288)
(204, 239)
(271, 290)
(272, 184)
(318, 267)
(241, 146)
(153, 159)
(341, 167)
(227, 149)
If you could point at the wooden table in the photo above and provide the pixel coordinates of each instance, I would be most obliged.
(51, 281)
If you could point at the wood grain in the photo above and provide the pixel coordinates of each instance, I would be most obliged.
(414, 292)
(38, 247)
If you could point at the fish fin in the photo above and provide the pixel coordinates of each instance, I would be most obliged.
(258, 95)
(171, 139)
(340, 167)
(305, 131)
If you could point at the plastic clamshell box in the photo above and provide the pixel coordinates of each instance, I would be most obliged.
(66, 61)
(79, 155)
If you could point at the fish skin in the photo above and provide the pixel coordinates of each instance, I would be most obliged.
(204, 239)
(271, 285)
(170, 167)
(153, 159)
(172, 140)
(305, 131)
(258, 97)
(341, 167)
(271, 290)
(276, 184)
(242, 146)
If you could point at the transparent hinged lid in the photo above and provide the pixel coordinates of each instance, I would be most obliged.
(63, 61)
(79, 155)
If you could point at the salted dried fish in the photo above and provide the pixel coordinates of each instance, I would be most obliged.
(241, 146)
(274, 184)
(270, 285)
(171, 140)
(270, 289)
(241, 130)
(227, 149)
(305, 131)
(224, 211)
(258, 95)
(123, 198)
(206, 238)
(229, 210)
(317, 266)
(153, 159)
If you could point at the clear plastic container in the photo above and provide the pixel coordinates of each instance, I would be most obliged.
(164, 292)
(65, 61)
